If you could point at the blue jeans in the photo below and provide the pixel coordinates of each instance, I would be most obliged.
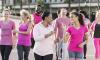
(73, 54)
(23, 51)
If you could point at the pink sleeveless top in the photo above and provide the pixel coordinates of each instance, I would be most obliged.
(24, 39)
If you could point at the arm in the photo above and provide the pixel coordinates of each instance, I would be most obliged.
(38, 36)
(81, 45)
(86, 38)
(92, 29)
(14, 37)
(85, 42)
(92, 33)
(56, 32)
(32, 20)
(66, 37)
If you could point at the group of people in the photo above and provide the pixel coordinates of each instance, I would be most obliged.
(46, 35)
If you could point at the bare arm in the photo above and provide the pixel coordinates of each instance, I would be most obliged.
(67, 37)
(86, 38)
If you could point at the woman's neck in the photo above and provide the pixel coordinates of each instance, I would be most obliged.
(77, 24)
(45, 23)
(25, 21)
(63, 16)
(98, 21)
(5, 19)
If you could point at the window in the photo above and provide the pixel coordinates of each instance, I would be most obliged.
(17, 2)
(33, 1)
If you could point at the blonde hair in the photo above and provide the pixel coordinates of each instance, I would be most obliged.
(6, 9)
(97, 14)
(24, 12)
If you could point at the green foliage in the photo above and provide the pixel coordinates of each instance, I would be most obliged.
(40, 2)
(66, 1)
(43, 4)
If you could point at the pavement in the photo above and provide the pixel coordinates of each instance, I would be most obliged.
(14, 56)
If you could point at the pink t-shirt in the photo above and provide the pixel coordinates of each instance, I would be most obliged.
(6, 32)
(37, 18)
(24, 39)
(77, 36)
(59, 25)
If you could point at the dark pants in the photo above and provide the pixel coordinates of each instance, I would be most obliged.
(23, 51)
(32, 42)
(5, 51)
(47, 57)
(85, 51)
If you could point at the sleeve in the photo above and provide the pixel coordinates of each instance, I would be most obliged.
(37, 34)
(68, 30)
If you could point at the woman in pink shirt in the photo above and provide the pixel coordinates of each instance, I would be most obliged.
(6, 42)
(24, 36)
(96, 35)
(37, 18)
(75, 35)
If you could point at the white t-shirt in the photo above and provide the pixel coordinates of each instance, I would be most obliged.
(43, 46)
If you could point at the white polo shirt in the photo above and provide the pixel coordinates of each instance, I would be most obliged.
(43, 46)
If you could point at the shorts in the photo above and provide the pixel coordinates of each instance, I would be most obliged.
(73, 54)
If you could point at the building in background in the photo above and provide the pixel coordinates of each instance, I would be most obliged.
(16, 5)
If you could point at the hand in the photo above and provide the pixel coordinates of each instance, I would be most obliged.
(51, 33)
(64, 27)
(14, 46)
(81, 45)
(15, 31)
(56, 40)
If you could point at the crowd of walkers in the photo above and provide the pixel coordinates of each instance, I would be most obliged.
(47, 36)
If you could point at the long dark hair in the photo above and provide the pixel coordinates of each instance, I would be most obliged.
(84, 13)
(80, 17)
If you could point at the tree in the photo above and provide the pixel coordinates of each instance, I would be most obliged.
(43, 4)
(68, 2)
(40, 2)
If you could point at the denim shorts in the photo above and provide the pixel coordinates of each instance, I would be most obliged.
(73, 54)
